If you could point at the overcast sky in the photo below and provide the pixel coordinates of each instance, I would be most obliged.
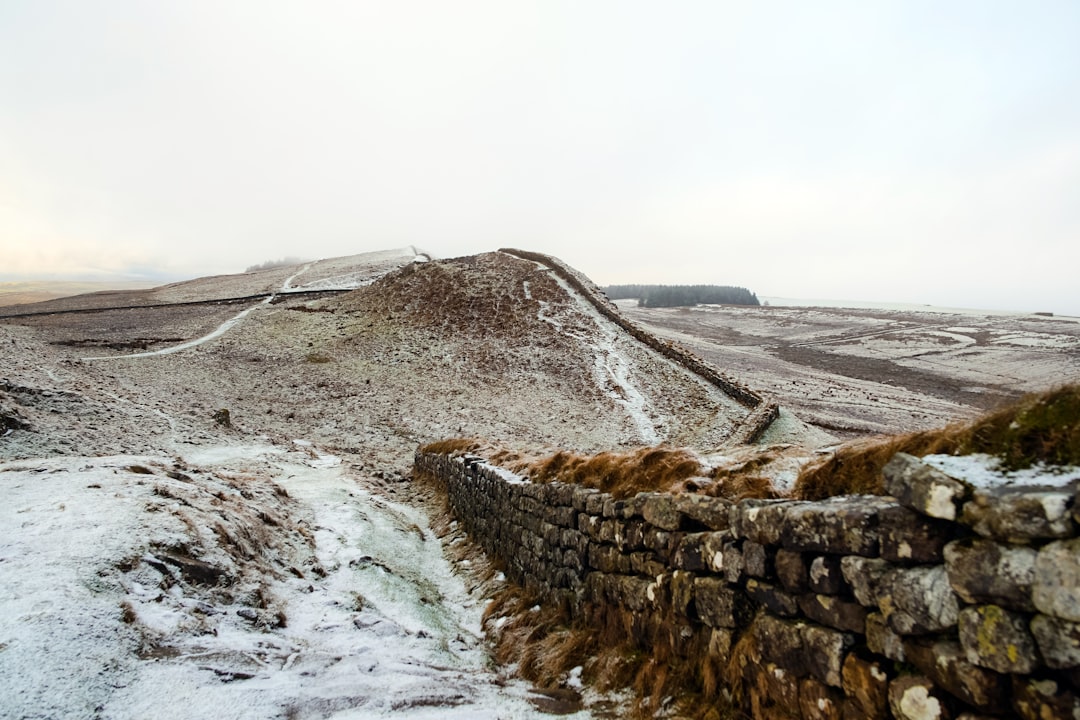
(911, 151)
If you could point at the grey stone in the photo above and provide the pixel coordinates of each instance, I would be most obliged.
(780, 641)
(863, 575)
(825, 650)
(760, 521)
(1056, 587)
(843, 525)
(984, 571)
(711, 512)
(1058, 640)
(719, 605)
(733, 563)
(660, 511)
(914, 697)
(908, 536)
(792, 570)
(690, 552)
(713, 549)
(944, 662)
(772, 598)
(997, 639)
(756, 560)
(1022, 514)
(834, 612)
(923, 488)
(917, 601)
(826, 576)
(881, 638)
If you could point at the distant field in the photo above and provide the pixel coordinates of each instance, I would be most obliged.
(32, 291)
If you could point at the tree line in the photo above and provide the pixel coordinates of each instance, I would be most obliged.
(682, 295)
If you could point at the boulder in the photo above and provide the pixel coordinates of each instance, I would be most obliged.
(846, 525)
(1021, 514)
(720, 606)
(923, 488)
(863, 575)
(945, 663)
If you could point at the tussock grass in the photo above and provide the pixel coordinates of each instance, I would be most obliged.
(621, 474)
(1043, 427)
(453, 446)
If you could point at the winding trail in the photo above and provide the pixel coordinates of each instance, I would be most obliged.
(217, 332)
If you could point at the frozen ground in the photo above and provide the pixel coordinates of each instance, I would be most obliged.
(240, 581)
(857, 371)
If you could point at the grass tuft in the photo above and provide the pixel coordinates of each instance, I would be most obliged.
(621, 474)
(1038, 428)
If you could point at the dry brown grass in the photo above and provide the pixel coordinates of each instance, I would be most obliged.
(1043, 427)
(453, 446)
(621, 474)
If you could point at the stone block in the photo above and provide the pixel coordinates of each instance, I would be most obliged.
(580, 497)
(690, 552)
(756, 560)
(1058, 641)
(711, 513)
(834, 612)
(923, 488)
(908, 536)
(1055, 590)
(659, 510)
(866, 684)
(997, 639)
(825, 650)
(682, 592)
(882, 639)
(781, 686)
(845, 525)
(985, 571)
(914, 697)
(613, 508)
(714, 551)
(818, 701)
(720, 606)
(733, 562)
(659, 541)
(772, 598)
(793, 570)
(1021, 514)
(1044, 699)
(826, 576)
(643, 563)
(863, 575)
(917, 601)
(944, 662)
(594, 503)
(780, 641)
(759, 520)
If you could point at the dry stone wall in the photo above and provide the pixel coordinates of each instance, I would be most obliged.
(942, 601)
(763, 412)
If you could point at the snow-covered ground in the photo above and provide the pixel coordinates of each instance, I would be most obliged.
(241, 581)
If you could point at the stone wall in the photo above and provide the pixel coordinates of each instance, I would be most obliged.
(763, 412)
(942, 601)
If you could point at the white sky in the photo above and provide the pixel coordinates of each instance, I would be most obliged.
(919, 151)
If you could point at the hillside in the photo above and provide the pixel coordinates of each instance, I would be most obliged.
(226, 556)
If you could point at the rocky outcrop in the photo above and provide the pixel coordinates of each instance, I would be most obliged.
(944, 600)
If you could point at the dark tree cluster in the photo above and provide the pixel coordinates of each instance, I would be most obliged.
(682, 295)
